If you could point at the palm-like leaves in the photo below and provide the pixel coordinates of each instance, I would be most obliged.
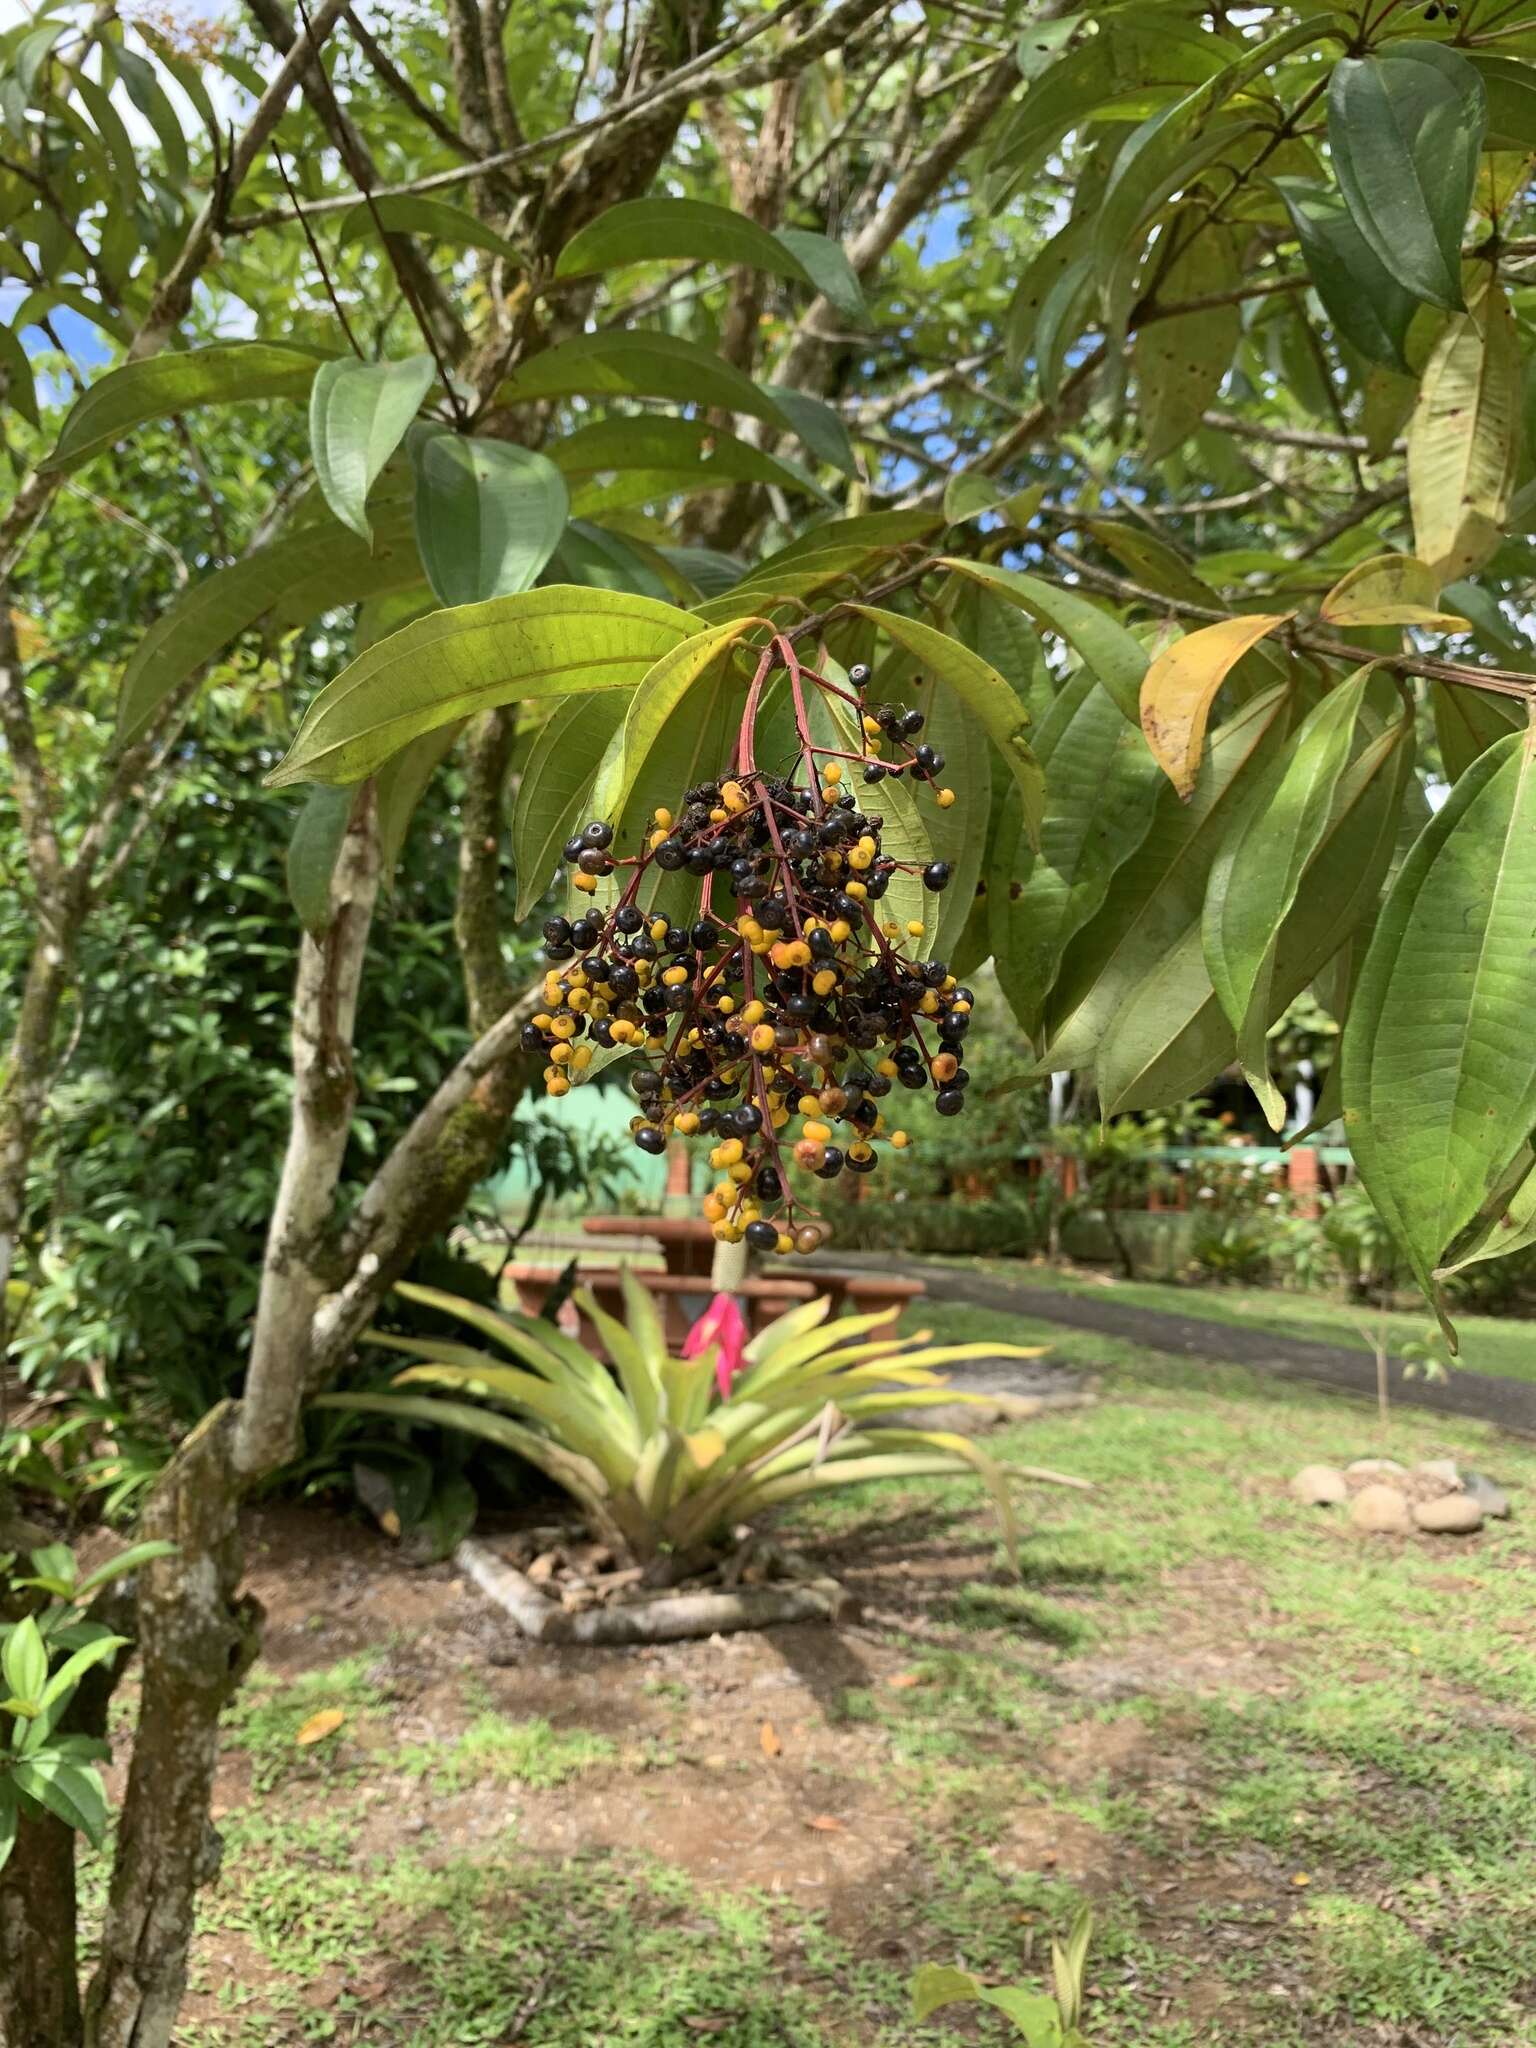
(654, 1456)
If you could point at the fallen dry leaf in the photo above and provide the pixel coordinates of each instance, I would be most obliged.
(318, 1726)
(901, 1680)
(770, 1741)
(1301, 1877)
(827, 1824)
(389, 1522)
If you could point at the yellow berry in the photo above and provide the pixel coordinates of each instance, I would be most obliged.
(871, 727)
(808, 1105)
(859, 859)
(900, 1140)
(888, 1068)
(564, 1027)
(857, 891)
(560, 1054)
(656, 839)
(587, 884)
(753, 1013)
(823, 983)
(833, 772)
(559, 1086)
(581, 1058)
(542, 1020)
(816, 1131)
(762, 1039)
(726, 1005)
(944, 798)
(663, 818)
(915, 927)
(785, 1244)
(718, 815)
(841, 930)
(688, 1122)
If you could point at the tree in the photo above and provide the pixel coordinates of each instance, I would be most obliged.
(1042, 362)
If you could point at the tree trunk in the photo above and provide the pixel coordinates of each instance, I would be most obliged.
(39, 1985)
(196, 1640)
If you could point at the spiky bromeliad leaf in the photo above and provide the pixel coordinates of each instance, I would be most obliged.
(1439, 1073)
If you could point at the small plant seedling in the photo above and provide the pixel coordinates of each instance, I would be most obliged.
(1043, 2019)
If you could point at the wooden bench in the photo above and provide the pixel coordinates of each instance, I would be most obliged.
(681, 1297)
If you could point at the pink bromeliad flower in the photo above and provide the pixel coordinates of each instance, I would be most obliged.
(723, 1325)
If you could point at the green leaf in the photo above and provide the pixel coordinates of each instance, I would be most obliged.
(968, 492)
(986, 697)
(312, 852)
(71, 1791)
(1366, 304)
(1510, 86)
(1032, 2012)
(130, 1560)
(417, 213)
(165, 384)
(1102, 788)
(1180, 363)
(1155, 899)
(358, 413)
(74, 1668)
(24, 1660)
(817, 424)
(688, 454)
(590, 554)
(1152, 563)
(1389, 590)
(557, 641)
(402, 782)
(631, 363)
(552, 792)
(657, 700)
(1404, 130)
(295, 579)
(1114, 655)
(937, 1984)
(8, 1819)
(1467, 723)
(826, 264)
(20, 390)
(1258, 872)
(1466, 433)
(489, 515)
(663, 230)
(1439, 1057)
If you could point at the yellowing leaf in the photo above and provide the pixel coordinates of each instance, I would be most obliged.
(826, 1824)
(1180, 687)
(902, 1681)
(1389, 590)
(318, 1726)
(704, 1447)
(771, 1745)
(1301, 1878)
(1465, 435)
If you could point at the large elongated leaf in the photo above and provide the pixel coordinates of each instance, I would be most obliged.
(1467, 722)
(554, 642)
(1389, 590)
(1182, 684)
(418, 213)
(1181, 362)
(489, 515)
(1115, 657)
(1258, 871)
(294, 579)
(317, 839)
(1404, 129)
(552, 794)
(983, 692)
(358, 414)
(1360, 295)
(71, 1791)
(677, 454)
(172, 383)
(1439, 1056)
(1170, 1037)
(684, 230)
(401, 783)
(1101, 788)
(656, 701)
(630, 363)
(819, 425)
(1465, 436)
(1155, 900)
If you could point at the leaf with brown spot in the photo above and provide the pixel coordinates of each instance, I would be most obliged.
(1180, 687)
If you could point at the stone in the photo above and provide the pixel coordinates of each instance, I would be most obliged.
(1453, 1514)
(1490, 1496)
(1320, 1486)
(1382, 1510)
(1374, 1468)
(1445, 1470)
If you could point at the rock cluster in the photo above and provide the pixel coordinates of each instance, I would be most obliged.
(1388, 1499)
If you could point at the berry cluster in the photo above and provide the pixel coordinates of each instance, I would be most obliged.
(791, 991)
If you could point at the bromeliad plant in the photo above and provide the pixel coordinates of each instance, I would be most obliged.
(666, 1454)
(44, 1656)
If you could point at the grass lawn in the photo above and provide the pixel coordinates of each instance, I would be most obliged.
(1291, 1767)
(1505, 1345)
